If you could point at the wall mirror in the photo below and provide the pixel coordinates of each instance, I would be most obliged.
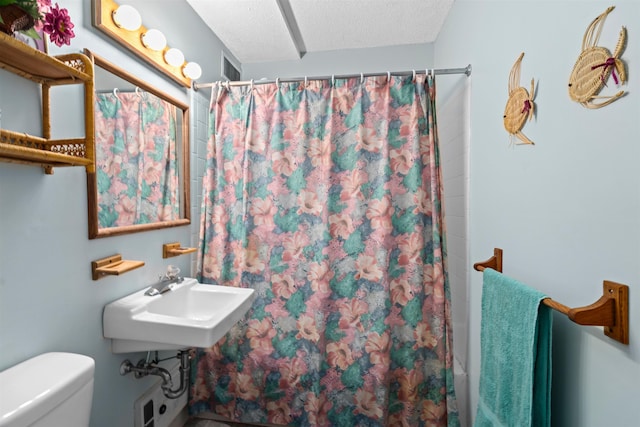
(141, 179)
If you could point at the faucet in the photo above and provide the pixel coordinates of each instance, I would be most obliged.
(165, 283)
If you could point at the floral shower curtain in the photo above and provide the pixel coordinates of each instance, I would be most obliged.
(136, 159)
(327, 200)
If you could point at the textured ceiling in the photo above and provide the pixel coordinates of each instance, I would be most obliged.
(276, 30)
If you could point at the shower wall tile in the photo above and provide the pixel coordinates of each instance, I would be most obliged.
(453, 133)
(200, 126)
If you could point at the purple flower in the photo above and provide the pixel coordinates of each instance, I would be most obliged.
(58, 25)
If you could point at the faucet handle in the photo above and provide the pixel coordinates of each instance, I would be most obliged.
(172, 272)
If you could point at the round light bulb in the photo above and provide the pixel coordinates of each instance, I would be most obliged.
(127, 17)
(174, 57)
(192, 70)
(154, 40)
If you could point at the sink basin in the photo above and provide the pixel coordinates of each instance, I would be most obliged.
(190, 315)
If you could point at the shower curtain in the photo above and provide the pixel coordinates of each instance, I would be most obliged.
(326, 198)
(136, 159)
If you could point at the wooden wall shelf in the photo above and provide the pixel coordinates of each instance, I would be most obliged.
(48, 71)
(112, 266)
(170, 250)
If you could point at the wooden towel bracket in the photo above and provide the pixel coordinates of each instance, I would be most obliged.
(112, 266)
(174, 249)
(610, 311)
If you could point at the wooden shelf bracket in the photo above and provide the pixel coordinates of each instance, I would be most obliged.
(170, 250)
(112, 266)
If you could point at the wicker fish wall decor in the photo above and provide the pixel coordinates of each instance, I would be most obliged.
(595, 65)
(520, 106)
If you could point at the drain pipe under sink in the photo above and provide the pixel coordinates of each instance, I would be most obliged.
(145, 368)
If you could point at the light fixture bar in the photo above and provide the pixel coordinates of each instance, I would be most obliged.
(127, 17)
(132, 40)
(174, 57)
(154, 39)
(192, 70)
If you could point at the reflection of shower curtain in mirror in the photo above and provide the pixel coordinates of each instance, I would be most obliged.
(136, 159)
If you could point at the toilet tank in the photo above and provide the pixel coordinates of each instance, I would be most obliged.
(52, 390)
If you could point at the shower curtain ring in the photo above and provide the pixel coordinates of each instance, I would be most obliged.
(388, 76)
(413, 78)
(252, 85)
(333, 79)
(361, 78)
(305, 81)
(278, 81)
(217, 89)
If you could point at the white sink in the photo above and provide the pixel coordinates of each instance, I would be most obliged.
(190, 315)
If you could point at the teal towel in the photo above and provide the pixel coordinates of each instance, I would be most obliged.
(515, 360)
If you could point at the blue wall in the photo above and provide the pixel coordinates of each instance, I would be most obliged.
(347, 61)
(567, 210)
(48, 301)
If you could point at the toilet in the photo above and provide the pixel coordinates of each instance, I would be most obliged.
(52, 390)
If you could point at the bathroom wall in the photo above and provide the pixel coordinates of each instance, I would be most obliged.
(346, 61)
(567, 210)
(48, 301)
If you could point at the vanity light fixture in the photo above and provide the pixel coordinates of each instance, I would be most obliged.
(174, 57)
(192, 70)
(154, 40)
(148, 44)
(127, 17)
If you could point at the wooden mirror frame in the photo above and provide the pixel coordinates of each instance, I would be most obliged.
(92, 187)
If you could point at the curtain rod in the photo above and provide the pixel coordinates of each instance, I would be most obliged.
(466, 70)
